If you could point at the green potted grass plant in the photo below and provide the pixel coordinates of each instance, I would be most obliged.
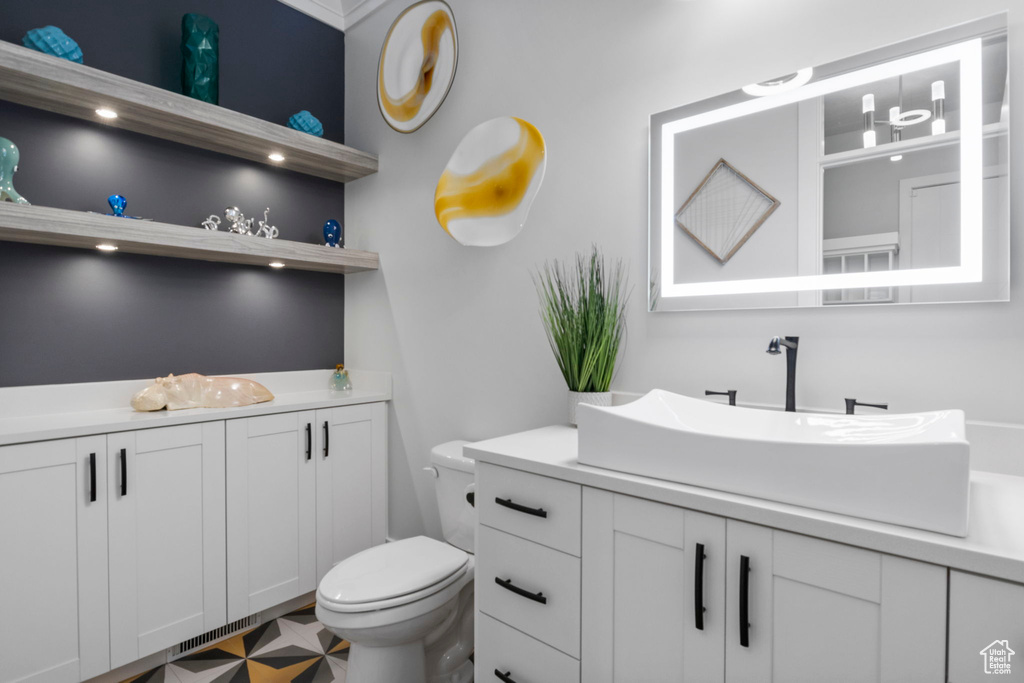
(583, 308)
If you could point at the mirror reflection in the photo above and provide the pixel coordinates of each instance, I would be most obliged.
(881, 179)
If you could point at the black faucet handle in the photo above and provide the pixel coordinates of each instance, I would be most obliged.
(852, 403)
(731, 393)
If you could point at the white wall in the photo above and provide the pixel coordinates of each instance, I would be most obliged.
(459, 326)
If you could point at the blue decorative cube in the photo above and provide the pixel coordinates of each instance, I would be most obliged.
(307, 123)
(52, 41)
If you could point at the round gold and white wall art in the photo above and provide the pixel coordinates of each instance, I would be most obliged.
(417, 64)
(486, 190)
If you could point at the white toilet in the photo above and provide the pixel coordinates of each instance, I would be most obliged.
(407, 607)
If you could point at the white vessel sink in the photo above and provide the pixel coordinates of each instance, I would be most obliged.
(910, 469)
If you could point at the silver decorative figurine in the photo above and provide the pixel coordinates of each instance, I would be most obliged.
(238, 223)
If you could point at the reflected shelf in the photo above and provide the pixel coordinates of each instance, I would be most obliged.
(890, 149)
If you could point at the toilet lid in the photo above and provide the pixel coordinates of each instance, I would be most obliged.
(391, 570)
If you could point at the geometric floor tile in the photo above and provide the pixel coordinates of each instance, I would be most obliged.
(294, 648)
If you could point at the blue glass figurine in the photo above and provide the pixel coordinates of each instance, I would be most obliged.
(332, 234)
(52, 41)
(117, 205)
(307, 123)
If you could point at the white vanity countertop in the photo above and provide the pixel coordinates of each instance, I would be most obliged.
(59, 411)
(994, 545)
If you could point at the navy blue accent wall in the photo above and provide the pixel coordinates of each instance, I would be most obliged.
(69, 315)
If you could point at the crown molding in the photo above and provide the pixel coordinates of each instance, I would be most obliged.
(340, 14)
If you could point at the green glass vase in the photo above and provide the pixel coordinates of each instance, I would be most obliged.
(200, 71)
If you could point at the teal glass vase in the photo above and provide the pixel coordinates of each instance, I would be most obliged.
(200, 60)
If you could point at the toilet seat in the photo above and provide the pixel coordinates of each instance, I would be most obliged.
(391, 575)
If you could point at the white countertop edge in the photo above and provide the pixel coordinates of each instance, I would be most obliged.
(994, 545)
(45, 427)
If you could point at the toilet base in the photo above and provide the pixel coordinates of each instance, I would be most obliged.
(398, 663)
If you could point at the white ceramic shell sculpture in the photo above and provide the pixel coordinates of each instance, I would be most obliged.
(199, 391)
(417, 64)
(489, 184)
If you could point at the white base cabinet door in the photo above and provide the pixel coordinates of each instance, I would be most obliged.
(675, 595)
(812, 610)
(53, 561)
(986, 629)
(271, 511)
(166, 536)
(351, 482)
(653, 592)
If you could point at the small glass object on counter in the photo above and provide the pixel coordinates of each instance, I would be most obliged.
(339, 380)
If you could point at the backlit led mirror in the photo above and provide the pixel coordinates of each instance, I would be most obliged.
(881, 179)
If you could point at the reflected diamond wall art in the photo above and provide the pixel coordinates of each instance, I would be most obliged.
(724, 211)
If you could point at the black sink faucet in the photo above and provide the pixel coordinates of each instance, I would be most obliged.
(731, 393)
(852, 403)
(774, 349)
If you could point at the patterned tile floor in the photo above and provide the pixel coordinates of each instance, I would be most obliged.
(294, 648)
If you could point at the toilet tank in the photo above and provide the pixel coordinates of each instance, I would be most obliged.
(455, 474)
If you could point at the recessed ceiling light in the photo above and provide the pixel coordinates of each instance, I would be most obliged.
(898, 157)
(276, 264)
(275, 156)
(107, 247)
(106, 113)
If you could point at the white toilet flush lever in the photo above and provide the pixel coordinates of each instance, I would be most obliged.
(432, 470)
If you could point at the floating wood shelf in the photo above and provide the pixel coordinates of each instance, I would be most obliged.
(63, 228)
(39, 80)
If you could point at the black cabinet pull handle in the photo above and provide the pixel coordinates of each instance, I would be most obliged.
(92, 477)
(327, 438)
(124, 472)
(744, 601)
(507, 503)
(507, 585)
(698, 588)
(506, 677)
(309, 440)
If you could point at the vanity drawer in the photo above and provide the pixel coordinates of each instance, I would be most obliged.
(540, 509)
(521, 658)
(539, 592)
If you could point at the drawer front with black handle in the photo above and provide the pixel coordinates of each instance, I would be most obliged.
(504, 654)
(537, 508)
(530, 587)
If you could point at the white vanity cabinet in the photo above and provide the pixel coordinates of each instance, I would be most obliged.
(125, 534)
(54, 619)
(676, 595)
(986, 629)
(350, 453)
(166, 532)
(642, 619)
(271, 510)
(681, 583)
